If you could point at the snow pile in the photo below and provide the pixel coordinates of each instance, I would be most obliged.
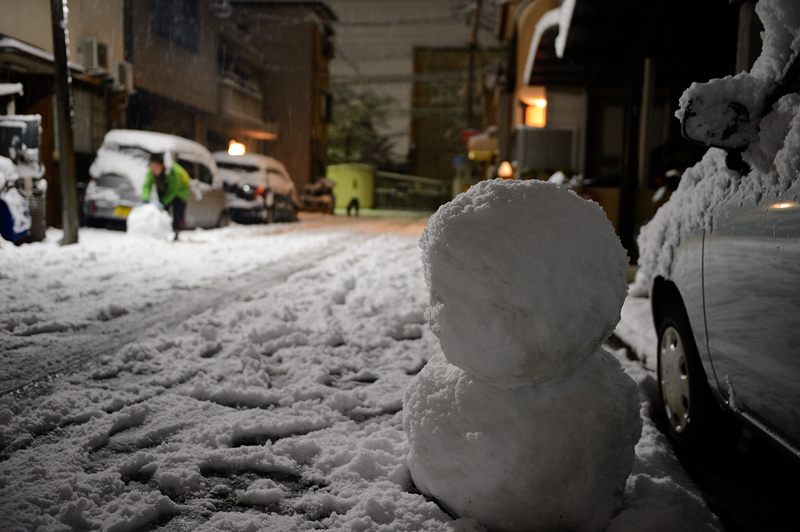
(553, 457)
(151, 221)
(509, 296)
(730, 100)
(526, 280)
(773, 153)
(256, 384)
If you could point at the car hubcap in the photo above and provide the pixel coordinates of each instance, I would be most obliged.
(674, 379)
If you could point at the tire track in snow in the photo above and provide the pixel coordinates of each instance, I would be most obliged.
(68, 352)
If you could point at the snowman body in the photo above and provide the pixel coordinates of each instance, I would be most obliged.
(528, 423)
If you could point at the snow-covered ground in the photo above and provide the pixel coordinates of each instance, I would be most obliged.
(249, 378)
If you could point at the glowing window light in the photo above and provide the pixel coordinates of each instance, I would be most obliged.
(535, 116)
(535, 100)
(236, 148)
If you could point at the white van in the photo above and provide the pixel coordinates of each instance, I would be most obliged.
(258, 188)
(119, 171)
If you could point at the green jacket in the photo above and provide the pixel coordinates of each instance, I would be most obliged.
(177, 184)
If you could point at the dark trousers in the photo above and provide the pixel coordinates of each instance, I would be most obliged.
(353, 205)
(178, 208)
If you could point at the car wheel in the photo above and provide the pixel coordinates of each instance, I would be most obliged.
(695, 422)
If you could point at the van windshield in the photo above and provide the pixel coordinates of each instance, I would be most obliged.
(130, 150)
(238, 167)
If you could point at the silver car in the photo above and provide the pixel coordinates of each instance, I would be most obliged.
(728, 313)
(258, 188)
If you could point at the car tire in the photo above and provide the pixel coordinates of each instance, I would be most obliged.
(695, 423)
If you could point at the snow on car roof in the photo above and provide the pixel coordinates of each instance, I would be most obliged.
(264, 162)
(110, 159)
(155, 142)
(270, 171)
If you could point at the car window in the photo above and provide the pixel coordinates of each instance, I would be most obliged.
(273, 172)
(196, 170)
(115, 181)
(203, 173)
(128, 149)
(238, 167)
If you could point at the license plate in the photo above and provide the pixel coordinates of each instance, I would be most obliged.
(121, 211)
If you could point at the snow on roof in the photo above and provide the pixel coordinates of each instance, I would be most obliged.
(34, 51)
(560, 17)
(10, 88)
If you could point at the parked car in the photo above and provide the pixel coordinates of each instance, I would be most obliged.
(119, 171)
(318, 196)
(258, 189)
(23, 188)
(728, 313)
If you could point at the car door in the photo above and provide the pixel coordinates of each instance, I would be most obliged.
(206, 198)
(751, 284)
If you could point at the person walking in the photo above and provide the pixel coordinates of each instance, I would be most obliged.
(172, 187)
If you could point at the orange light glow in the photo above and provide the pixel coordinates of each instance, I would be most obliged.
(784, 205)
(535, 100)
(536, 116)
(236, 148)
(505, 170)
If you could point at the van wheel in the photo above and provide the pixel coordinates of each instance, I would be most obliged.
(695, 422)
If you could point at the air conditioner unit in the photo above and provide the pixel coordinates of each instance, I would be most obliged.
(123, 77)
(94, 55)
(545, 149)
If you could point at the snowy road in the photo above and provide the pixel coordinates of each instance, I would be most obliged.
(250, 378)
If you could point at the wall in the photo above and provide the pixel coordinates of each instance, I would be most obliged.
(376, 41)
(526, 26)
(173, 71)
(29, 21)
(288, 89)
(439, 107)
(566, 109)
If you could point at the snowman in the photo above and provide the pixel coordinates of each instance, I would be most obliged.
(525, 422)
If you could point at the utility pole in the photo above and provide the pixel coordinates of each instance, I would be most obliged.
(66, 146)
(472, 48)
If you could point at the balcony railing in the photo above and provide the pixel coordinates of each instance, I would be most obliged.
(239, 102)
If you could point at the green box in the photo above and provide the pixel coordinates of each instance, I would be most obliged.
(353, 180)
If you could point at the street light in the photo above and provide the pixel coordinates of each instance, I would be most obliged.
(505, 170)
(236, 148)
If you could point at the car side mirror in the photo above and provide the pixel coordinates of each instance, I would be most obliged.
(714, 114)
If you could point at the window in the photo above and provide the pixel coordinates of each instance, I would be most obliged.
(177, 21)
(196, 170)
(131, 150)
(247, 168)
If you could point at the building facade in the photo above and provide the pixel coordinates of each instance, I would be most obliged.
(96, 53)
(212, 71)
(610, 74)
